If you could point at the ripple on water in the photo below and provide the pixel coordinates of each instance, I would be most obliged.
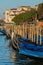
(5, 52)
(12, 57)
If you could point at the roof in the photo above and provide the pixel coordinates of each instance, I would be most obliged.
(40, 23)
(25, 6)
(13, 9)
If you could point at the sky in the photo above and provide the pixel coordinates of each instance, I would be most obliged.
(8, 4)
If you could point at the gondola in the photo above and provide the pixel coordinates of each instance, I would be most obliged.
(32, 46)
(31, 49)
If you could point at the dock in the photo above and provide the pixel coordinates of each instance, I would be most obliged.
(30, 31)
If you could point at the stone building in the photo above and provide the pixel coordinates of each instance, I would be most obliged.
(11, 13)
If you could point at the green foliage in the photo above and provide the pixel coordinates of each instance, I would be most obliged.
(23, 17)
(40, 10)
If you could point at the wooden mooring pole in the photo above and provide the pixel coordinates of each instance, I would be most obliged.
(40, 37)
(32, 34)
(37, 29)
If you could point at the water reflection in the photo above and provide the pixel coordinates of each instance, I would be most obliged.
(23, 60)
(19, 59)
(8, 56)
(5, 52)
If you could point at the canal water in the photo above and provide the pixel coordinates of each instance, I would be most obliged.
(8, 56)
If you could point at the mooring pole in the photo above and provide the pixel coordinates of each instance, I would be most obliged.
(40, 37)
(37, 29)
(32, 32)
(23, 30)
(12, 31)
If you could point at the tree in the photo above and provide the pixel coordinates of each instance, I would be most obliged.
(23, 17)
(40, 11)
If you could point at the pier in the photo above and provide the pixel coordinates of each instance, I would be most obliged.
(7, 28)
(31, 31)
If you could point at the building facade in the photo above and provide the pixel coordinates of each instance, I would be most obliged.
(11, 13)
